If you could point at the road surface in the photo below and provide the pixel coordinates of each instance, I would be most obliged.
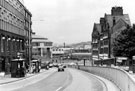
(69, 80)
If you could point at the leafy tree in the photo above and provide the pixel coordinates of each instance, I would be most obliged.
(124, 43)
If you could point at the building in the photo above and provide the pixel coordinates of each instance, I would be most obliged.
(95, 41)
(41, 48)
(57, 53)
(60, 53)
(28, 34)
(105, 31)
(81, 53)
(14, 36)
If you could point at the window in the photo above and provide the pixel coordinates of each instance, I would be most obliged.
(101, 51)
(35, 44)
(101, 43)
(106, 50)
(106, 42)
(14, 44)
(15, 20)
(2, 44)
(95, 45)
(5, 15)
(0, 12)
(10, 18)
(95, 52)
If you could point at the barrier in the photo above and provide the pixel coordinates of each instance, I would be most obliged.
(121, 78)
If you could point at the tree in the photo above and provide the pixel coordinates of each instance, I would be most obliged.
(124, 43)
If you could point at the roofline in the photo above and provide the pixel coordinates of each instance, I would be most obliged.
(25, 7)
(28, 11)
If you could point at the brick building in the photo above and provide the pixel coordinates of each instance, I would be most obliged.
(105, 31)
(15, 32)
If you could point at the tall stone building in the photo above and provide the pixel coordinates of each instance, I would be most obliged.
(110, 26)
(15, 32)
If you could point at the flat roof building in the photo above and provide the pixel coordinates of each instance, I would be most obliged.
(41, 48)
(15, 32)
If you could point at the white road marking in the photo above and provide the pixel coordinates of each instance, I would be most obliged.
(59, 88)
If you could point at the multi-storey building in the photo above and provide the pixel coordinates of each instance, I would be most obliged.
(81, 53)
(95, 41)
(57, 54)
(14, 36)
(111, 25)
(41, 48)
(28, 35)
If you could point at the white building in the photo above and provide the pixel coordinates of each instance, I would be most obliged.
(41, 47)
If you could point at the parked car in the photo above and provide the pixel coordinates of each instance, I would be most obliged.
(55, 65)
(50, 65)
(45, 66)
(60, 68)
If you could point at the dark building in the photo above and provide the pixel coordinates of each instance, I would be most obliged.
(96, 41)
(15, 32)
(111, 25)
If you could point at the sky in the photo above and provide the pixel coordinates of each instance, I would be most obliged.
(71, 21)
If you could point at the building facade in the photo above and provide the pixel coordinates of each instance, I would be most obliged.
(13, 34)
(102, 38)
(81, 54)
(95, 41)
(41, 48)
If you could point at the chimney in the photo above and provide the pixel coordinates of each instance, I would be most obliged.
(64, 45)
(117, 11)
(102, 21)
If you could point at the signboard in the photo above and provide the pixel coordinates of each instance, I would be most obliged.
(119, 59)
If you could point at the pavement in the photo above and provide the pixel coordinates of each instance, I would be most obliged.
(11, 85)
(107, 85)
(7, 78)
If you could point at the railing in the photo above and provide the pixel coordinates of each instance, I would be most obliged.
(119, 77)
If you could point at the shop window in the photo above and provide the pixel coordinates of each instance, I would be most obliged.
(2, 44)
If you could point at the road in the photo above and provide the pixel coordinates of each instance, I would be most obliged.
(69, 80)
(51, 83)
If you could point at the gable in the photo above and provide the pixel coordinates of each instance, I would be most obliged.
(96, 30)
(120, 25)
(109, 19)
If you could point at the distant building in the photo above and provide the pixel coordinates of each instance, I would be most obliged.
(104, 32)
(59, 53)
(41, 48)
(15, 33)
(81, 53)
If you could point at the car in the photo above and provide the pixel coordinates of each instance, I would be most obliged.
(64, 66)
(60, 68)
(55, 65)
(50, 65)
